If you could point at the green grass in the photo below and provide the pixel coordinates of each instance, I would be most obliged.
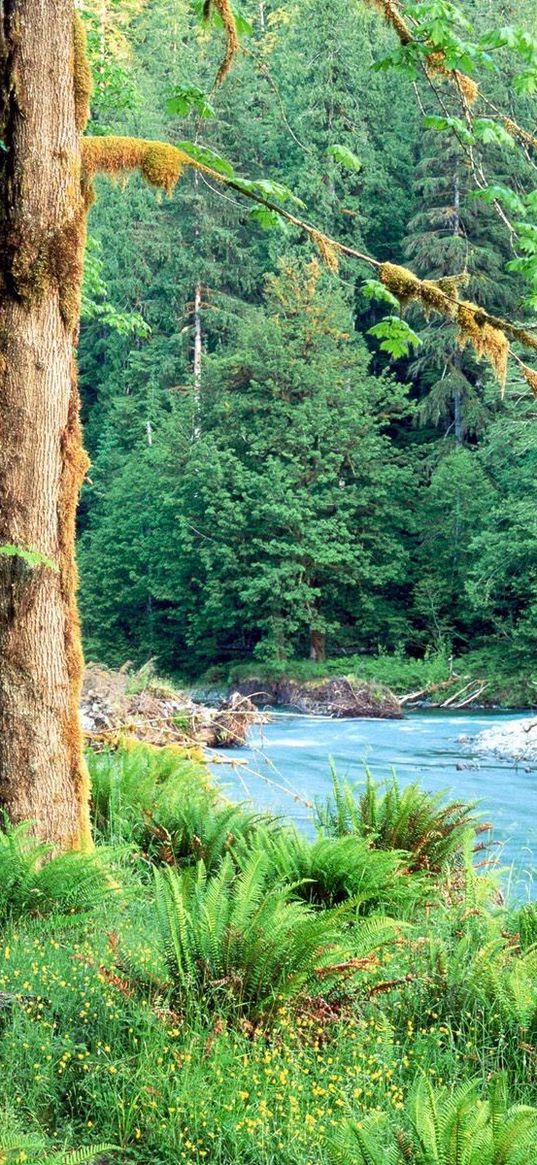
(250, 1012)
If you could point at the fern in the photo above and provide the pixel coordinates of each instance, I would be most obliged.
(32, 882)
(447, 1127)
(330, 871)
(163, 803)
(431, 832)
(236, 936)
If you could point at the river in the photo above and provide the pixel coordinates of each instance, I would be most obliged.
(287, 765)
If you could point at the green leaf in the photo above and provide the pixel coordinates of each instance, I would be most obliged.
(375, 290)
(268, 189)
(489, 131)
(208, 157)
(32, 558)
(395, 335)
(503, 194)
(186, 98)
(243, 25)
(449, 125)
(266, 218)
(526, 82)
(345, 157)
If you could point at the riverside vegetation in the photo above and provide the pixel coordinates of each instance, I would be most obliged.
(210, 986)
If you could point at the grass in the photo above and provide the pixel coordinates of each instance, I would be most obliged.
(249, 1012)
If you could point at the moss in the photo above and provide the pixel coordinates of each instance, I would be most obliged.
(225, 13)
(401, 282)
(487, 341)
(66, 265)
(160, 163)
(437, 298)
(475, 327)
(392, 15)
(524, 337)
(469, 88)
(530, 376)
(75, 464)
(327, 249)
(83, 84)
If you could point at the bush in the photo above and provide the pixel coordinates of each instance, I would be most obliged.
(429, 830)
(237, 938)
(332, 870)
(163, 802)
(32, 882)
(449, 1127)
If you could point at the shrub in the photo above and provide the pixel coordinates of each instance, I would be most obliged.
(237, 938)
(34, 883)
(332, 870)
(449, 1127)
(162, 801)
(430, 831)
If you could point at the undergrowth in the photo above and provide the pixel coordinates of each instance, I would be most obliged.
(215, 987)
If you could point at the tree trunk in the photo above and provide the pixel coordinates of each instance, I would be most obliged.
(44, 92)
(317, 645)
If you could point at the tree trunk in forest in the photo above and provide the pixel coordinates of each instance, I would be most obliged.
(317, 645)
(44, 92)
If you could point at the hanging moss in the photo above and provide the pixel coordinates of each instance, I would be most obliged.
(530, 376)
(517, 131)
(327, 249)
(401, 282)
(392, 15)
(436, 298)
(75, 464)
(474, 325)
(83, 83)
(467, 86)
(160, 163)
(225, 13)
(66, 265)
(487, 341)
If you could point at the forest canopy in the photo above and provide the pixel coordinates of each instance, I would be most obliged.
(278, 449)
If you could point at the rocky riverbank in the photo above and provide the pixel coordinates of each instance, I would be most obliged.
(514, 740)
(340, 697)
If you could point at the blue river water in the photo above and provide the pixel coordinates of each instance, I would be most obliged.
(287, 766)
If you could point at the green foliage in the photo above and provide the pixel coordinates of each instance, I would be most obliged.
(253, 1014)
(396, 336)
(35, 883)
(162, 803)
(451, 1127)
(238, 938)
(345, 157)
(32, 558)
(17, 1148)
(332, 870)
(186, 98)
(430, 831)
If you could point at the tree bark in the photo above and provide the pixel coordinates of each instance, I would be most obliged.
(317, 645)
(44, 91)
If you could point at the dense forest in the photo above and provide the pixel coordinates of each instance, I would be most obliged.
(267, 482)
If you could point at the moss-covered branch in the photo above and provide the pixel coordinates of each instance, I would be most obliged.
(162, 164)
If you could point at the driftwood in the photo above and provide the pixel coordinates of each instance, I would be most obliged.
(454, 702)
(428, 690)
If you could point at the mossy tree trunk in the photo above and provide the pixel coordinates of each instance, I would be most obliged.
(42, 221)
(317, 645)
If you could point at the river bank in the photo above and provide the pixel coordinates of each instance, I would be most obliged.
(437, 680)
